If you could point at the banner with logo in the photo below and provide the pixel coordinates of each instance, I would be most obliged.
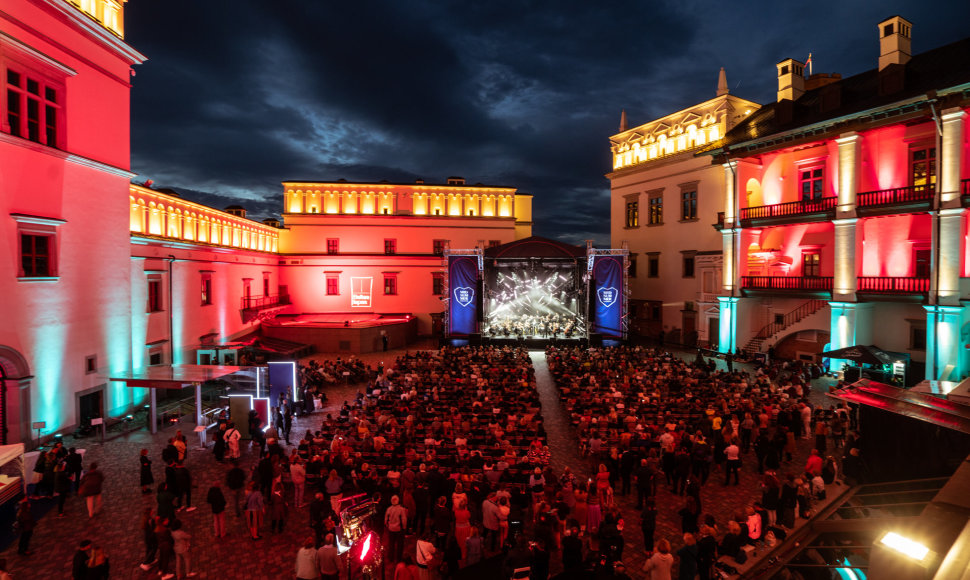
(463, 294)
(608, 313)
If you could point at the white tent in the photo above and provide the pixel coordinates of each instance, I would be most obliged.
(11, 486)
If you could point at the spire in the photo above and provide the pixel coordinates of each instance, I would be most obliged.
(623, 121)
(722, 86)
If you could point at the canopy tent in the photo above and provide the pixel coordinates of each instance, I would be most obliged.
(10, 487)
(862, 354)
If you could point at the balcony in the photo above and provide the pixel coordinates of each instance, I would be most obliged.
(965, 192)
(789, 212)
(798, 284)
(892, 285)
(251, 306)
(720, 221)
(895, 200)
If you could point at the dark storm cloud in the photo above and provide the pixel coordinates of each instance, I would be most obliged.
(239, 96)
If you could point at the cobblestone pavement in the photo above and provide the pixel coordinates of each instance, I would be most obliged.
(236, 556)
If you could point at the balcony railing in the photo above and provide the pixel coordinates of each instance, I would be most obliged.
(815, 283)
(965, 192)
(790, 208)
(720, 220)
(893, 285)
(896, 195)
(260, 302)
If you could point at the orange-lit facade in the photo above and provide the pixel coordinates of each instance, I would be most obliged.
(845, 214)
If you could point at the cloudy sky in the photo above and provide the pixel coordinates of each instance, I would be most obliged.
(239, 96)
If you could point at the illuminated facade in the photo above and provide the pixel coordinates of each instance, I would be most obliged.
(64, 161)
(845, 211)
(377, 247)
(663, 199)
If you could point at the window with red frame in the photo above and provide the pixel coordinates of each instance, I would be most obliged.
(811, 183)
(33, 107)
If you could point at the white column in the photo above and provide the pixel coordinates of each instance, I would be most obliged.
(950, 157)
(730, 192)
(947, 279)
(152, 411)
(844, 284)
(848, 186)
(729, 263)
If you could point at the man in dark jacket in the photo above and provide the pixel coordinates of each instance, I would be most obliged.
(25, 522)
(80, 565)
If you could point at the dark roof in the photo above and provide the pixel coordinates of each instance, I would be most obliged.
(935, 70)
(535, 247)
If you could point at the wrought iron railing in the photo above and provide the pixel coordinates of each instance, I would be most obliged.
(804, 310)
(895, 195)
(790, 208)
(258, 302)
(787, 282)
(893, 284)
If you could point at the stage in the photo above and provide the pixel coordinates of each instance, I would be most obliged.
(354, 332)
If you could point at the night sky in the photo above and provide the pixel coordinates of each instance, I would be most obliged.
(238, 96)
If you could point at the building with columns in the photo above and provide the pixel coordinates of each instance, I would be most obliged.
(663, 198)
(846, 211)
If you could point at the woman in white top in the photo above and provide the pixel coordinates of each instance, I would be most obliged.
(660, 563)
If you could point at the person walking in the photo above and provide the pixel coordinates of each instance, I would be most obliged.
(306, 561)
(90, 489)
(254, 510)
(145, 472)
(25, 523)
(181, 543)
(217, 501)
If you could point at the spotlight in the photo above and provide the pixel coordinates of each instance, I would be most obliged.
(905, 546)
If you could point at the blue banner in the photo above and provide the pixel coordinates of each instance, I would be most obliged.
(608, 313)
(463, 294)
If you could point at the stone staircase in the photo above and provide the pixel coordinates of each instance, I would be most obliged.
(773, 329)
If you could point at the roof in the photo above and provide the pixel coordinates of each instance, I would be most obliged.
(173, 376)
(345, 183)
(535, 247)
(837, 105)
(907, 403)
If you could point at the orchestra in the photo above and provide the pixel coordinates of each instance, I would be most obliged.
(535, 325)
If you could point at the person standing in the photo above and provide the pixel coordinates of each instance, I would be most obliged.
(90, 489)
(306, 561)
(219, 448)
(166, 502)
(184, 479)
(277, 509)
(166, 548)
(62, 487)
(232, 441)
(145, 473)
(425, 551)
(217, 501)
(25, 522)
(74, 462)
(328, 559)
(298, 477)
(733, 456)
(151, 542)
(181, 543)
(79, 567)
(396, 523)
(97, 566)
(236, 481)
(254, 510)
(660, 563)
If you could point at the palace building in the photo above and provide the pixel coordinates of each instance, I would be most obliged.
(102, 279)
(844, 215)
(663, 199)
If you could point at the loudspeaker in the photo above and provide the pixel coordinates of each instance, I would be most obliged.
(480, 302)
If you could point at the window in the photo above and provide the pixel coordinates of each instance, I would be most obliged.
(688, 205)
(37, 237)
(811, 263)
(437, 283)
(390, 284)
(631, 269)
(266, 291)
(656, 209)
(35, 256)
(155, 358)
(33, 107)
(333, 245)
(921, 261)
(206, 289)
(917, 337)
(653, 265)
(810, 183)
(688, 265)
(90, 364)
(333, 284)
(438, 247)
(390, 246)
(923, 167)
(632, 214)
(154, 295)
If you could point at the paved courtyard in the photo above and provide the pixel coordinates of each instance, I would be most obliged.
(237, 556)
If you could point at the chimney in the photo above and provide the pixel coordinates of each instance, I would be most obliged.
(791, 79)
(456, 181)
(895, 41)
(722, 86)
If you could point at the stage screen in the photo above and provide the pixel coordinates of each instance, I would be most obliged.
(534, 300)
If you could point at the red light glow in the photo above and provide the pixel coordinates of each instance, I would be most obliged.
(366, 548)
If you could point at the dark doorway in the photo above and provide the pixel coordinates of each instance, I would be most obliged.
(90, 406)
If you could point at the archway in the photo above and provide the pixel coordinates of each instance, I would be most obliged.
(14, 396)
(803, 345)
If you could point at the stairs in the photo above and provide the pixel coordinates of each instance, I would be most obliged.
(772, 329)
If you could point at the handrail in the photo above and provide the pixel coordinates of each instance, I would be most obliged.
(787, 282)
(803, 311)
(893, 284)
(251, 302)
(789, 208)
(895, 195)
